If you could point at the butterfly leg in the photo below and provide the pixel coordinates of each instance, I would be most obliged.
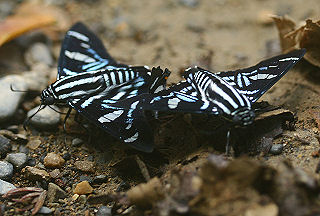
(78, 120)
(228, 142)
(65, 119)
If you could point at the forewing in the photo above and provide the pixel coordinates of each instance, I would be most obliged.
(82, 51)
(127, 123)
(254, 81)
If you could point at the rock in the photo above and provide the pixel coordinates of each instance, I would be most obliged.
(66, 156)
(85, 178)
(77, 142)
(33, 173)
(100, 179)
(44, 210)
(45, 119)
(55, 193)
(32, 162)
(6, 170)
(276, 149)
(34, 144)
(53, 160)
(37, 78)
(23, 149)
(5, 187)
(83, 199)
(38, 53)
(104, 211)
(85, 166)
(55, 173)
(10, 100)
(83, 188)
(5, 145)
(17, 159)
(189, 3)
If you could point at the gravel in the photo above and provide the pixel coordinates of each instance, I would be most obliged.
(5, 146)
(46, 119)
(276, 149)
(6, 170)
(104, 211)
(5, 187)
(17, 159)
(9, 100)
(55, 193)
(38, 52)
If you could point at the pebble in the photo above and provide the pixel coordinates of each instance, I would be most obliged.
(104, 211)
(276, 149)
(66, 156)
(34, 144)
(23, 149)
(6, 170)
(32, 162)
(53, 160)
(33, 173)
(83, 188)
(5, 146)
(5, 187)
(9, 100)
(189, 3)
(77, 142)
(85, 166)
(17, 159)
(44, 210)
(83, 199)
(55, 193)
(38, 53)
(100, 179)
(55, 173)
(46, 119)
(85, 178)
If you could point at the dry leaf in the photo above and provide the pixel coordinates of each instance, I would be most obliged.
(306, 36)
(30, 16)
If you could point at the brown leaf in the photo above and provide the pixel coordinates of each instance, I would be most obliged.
(39, 203)
(306, 36)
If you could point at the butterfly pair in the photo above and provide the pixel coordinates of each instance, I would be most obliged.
(114, 96)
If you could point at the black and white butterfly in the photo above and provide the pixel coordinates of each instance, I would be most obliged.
(90, 81)
(229, 94)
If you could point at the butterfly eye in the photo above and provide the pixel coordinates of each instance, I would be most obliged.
(49, 100)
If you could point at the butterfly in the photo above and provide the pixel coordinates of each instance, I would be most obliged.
(228, 94)
(89, 78)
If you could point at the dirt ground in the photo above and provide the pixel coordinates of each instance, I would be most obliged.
(218, 35)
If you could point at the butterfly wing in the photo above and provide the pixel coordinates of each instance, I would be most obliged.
(83, 51)
(254, 81)
(127, 124)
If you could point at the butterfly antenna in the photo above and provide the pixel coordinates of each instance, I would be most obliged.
(16, 90)
(26, 122)
(65, 119)
(228, 142)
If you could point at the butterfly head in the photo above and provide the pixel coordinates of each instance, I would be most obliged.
(47, 97)
(243, 116)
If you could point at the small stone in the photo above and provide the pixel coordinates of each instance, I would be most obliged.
(6, 170)
(83, 199)
(55, 193)
(75, 197)
(34, 144)
(5, 146)
(276, 149)
(85, 178)
(38, 53)
(100, 179)
(33, 173)
(66, 156)
(76, 142)
(55, 173)
(9, 100)
(104, 211)
(53, 160)
(189, 3)
(85, 166)
(44, 210)
(5, 187)
(83, 188)
(46, 119)
(23, 149)
(32, 162)
(17, 159)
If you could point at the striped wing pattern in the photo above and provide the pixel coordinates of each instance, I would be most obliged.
(83, 51)
(254, 81)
